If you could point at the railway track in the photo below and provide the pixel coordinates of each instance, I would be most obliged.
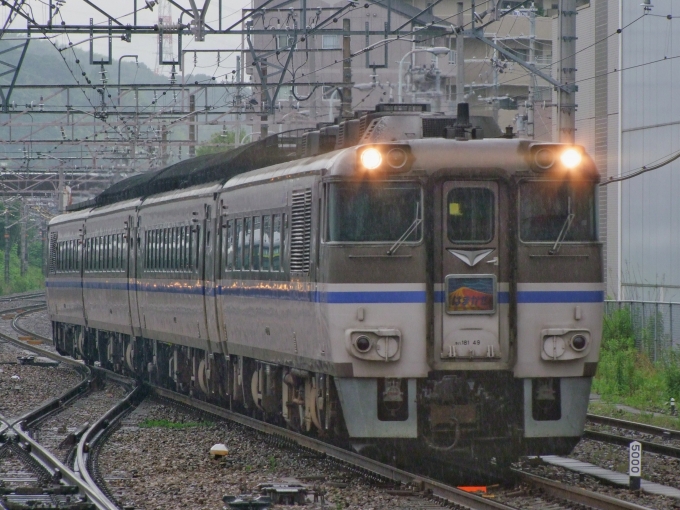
(52, 483)
(544, 494)
(633, 427)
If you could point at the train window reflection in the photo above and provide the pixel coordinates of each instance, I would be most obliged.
(470, 215)
(247, 242)
(239, 243)
(545, 207)
(230, 245)
(266, 237)
(257, 235)
(374, 211)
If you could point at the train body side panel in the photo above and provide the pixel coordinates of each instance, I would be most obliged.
(271, 314)
(169, 286)
(105, 280)
(63, 287)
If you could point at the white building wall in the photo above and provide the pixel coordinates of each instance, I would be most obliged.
(650, 212)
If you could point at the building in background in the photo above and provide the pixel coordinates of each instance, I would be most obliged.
(494, 85)
(629, 118)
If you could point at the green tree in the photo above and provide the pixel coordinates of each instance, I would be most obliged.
(219, 142)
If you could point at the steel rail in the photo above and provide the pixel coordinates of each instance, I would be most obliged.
(432, 488)
(94, 434)
(631, 425)
(43, 457)
(576, 494)
(647, 446)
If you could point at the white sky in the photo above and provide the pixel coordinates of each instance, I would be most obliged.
(146, 46)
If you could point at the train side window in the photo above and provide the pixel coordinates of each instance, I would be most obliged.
(107, 252)
(230, 245)
(147, 249)
(173, 249)
(185, 248)
(247, 241)
(177, 248)
(282, 249)
(119, 251)
(257, 244)
(193, 247)
(266, 242)
(152, 246)
(276, 243)
(238, 243)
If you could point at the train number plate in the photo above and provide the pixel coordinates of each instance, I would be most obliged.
(466, 294)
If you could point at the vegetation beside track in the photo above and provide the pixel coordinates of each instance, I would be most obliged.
(626, 374)
(32, 280)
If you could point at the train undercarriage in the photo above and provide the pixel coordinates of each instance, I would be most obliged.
(468, 415)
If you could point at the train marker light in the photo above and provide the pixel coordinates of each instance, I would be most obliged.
(371, 158)
(571, 158)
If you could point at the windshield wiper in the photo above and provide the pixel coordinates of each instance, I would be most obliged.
(408, 232)
(565, 229)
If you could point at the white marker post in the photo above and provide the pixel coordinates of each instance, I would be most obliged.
(635, 465)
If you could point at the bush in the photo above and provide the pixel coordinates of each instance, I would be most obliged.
(626, 375)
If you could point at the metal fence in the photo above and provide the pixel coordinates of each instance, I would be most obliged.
(656, 326)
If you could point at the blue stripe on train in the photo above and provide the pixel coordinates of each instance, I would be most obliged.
(333, 297)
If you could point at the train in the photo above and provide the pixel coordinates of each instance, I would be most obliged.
(398, 281)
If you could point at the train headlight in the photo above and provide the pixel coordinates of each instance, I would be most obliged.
(571, 158)
(384, 157)
(371, 158)
(380, 344)
(544, 158)
(362, 343)
(579, 342)
(564, 344)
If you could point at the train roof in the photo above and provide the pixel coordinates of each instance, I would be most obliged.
(434, 139)
(272, 150)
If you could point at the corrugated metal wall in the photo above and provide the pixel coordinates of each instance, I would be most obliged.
(650, 133)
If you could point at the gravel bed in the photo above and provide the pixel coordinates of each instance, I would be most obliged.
(38, 323)
(14, 471)
(87, 409)
(656, 468)
(162, 468)
(24, 387)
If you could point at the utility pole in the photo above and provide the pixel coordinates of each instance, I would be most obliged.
(237, 103)
(346, 111)
(23, 262)
(192, 126)
(532, 76)
(495, 102)
(566, 71)
(460, 57)
(264, 104)
(8, 245)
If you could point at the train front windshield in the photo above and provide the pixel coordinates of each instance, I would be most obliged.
(374, 212)
(548, 208)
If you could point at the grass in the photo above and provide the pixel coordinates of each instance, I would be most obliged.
(610, 409)
(627, 376)
(167, 424)
(32, 280)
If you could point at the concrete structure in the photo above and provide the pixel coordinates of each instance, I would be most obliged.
(494, 86)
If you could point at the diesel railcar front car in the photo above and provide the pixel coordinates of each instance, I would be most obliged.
(444, 292)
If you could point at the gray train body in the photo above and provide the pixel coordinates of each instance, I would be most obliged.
(452, 296)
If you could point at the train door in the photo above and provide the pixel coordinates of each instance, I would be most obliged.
(470, 271)
(209, 275)
(132, 236)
